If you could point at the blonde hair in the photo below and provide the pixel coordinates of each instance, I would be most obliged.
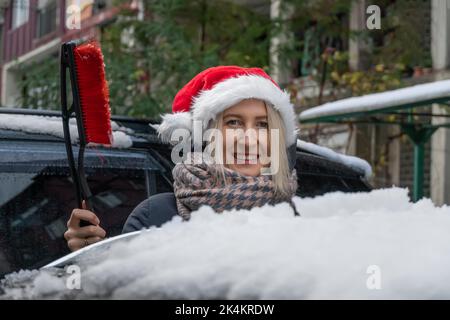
(281, 177)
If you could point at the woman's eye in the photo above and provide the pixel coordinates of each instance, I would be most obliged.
(263, 124)
(233, 122)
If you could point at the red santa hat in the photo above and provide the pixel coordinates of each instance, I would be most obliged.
(215, 89)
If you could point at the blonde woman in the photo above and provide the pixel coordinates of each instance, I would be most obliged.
(254, 127)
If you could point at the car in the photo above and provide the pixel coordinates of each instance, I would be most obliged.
(37, 196)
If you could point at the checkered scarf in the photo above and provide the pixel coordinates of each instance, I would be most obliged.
(197, 184)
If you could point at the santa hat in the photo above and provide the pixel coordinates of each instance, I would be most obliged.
(215, 89)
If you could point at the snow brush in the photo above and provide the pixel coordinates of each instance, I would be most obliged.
(90, 104)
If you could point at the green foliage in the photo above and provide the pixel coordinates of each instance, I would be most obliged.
(39, 85)
(321, 30)
(376, 79)
(403, 37)
(317, 25)
(176, 40)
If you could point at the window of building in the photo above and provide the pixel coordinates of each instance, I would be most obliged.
(46, 17)
(20, 12)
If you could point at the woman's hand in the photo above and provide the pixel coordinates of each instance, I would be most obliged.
(79, 237)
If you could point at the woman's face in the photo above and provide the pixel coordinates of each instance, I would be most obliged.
(244, 131)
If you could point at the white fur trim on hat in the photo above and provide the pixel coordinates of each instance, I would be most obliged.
(209, 103)
(172, 121)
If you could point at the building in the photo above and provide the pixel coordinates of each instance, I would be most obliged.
(33, 30)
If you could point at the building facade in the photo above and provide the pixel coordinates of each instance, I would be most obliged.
(33, 30)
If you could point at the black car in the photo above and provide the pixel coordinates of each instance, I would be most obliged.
(37, 196)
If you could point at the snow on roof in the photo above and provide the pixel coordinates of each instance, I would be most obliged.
(330, 252)
(53, 126)
(356, 163)
(378, 101)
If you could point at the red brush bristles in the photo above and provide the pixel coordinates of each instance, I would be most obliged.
(94, 93)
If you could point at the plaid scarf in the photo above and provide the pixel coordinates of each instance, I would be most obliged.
(198, 184)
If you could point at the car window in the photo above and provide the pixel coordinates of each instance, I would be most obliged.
(34, 209)
(317, 176)
(37, 195)
(311, 185)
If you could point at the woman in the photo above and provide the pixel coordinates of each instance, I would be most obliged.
(229, 100)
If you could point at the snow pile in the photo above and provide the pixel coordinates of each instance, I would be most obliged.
(270, 254)
(53, 126)
(378, 101)
(349, 161)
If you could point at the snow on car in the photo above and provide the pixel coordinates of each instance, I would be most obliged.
(349, 161)
(374, 245)
(53, 126)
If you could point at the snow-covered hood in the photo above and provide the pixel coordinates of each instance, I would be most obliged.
(375, 245)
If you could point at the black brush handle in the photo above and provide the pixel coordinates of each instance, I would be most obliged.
(85, 191)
